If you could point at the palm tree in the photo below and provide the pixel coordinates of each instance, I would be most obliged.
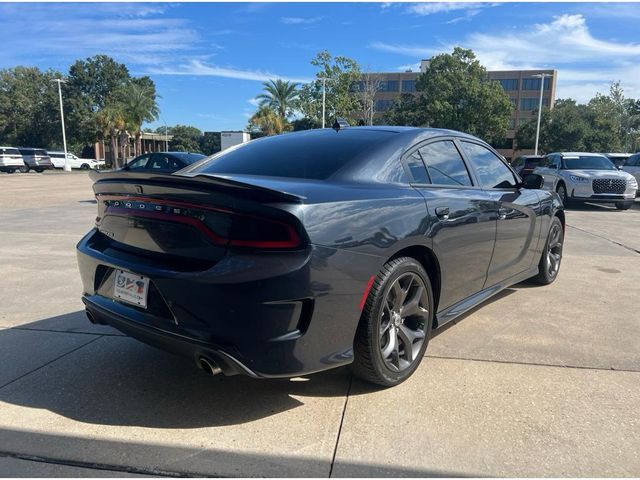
(112, 121)
(279, 95)
(138, 98)
(268, 121)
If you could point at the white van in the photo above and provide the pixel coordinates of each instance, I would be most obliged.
(10, 159)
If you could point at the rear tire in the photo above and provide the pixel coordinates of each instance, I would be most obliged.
(551, 258)
(84, 166)
(24, 169)
(624, 205)
(11, 170)
(395, 325)
(39, 170)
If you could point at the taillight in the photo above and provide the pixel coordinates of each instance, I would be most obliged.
(223, 227)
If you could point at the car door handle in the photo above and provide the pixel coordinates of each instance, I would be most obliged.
(502, 213)
(442, 213)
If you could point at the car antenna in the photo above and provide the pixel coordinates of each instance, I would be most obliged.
(339, 124)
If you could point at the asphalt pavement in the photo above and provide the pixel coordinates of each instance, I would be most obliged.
(539, 381)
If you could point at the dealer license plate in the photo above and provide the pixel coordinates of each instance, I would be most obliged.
(131, 287)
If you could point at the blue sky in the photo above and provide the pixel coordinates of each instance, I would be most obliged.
(208, 59)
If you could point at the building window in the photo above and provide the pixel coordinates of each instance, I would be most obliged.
(534, 83)
(509, 84)
(389, 86)
(357, 87)
(532, 103)
(408, 85)
(512, 123)
(383, 105)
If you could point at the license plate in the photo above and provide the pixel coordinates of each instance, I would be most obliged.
(131, 288)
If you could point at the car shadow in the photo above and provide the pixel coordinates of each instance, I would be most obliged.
(116, 380)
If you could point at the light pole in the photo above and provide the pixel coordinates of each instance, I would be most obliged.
(541, 76)
(67, 165)
(324, 91)
(166, 135)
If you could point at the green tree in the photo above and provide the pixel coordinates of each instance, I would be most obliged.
(457, 95)
(268, 122)
(29, 110)
(91, 84)
(564, 128)
(340, 74)
(185, 138)
(138, 99)
(210, 143)
(280, 96)
(409, 110)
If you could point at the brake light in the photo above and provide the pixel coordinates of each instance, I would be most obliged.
(222, 226)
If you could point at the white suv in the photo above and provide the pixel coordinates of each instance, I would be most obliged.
(632, 166)
(57, 158)
(587, 177)
(10, 159)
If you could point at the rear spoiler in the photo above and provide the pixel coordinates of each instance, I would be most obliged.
(202, 181)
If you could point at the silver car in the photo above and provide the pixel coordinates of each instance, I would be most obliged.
(10, 159)
(35, 159)
(587, 177)
(632, 166)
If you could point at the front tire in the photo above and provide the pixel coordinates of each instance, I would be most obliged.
(395, 325)
(561, 190)
(39, 170)
(84, 166)
(549, 264)
(624, 205)
(24, 169)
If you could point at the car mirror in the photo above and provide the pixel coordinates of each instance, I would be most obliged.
(532, 181)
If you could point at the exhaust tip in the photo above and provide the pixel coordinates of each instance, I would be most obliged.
(209, 366)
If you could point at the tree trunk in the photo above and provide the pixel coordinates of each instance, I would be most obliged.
(113, 149)
(124, 140)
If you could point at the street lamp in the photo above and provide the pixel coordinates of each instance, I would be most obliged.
(166, 135)
(324, 90)
(541, 76)
(67, 165)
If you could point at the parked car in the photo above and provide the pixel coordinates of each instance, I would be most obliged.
(164, 162)
(632, 166)
(10, 159)
(618, 159)
(526, 164)
(306, 251)
(35, 158)
(587, 177)
(57, 158)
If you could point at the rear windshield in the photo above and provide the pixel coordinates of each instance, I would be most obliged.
(532, 162)
(9, 151)
(594, 162)
(40, 152)
(55, 155)
(313, 154)
(189, 158)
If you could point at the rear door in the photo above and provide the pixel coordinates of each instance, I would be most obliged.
(462, 217)
(517, 225)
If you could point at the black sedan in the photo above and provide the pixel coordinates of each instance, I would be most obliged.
(307, 251)
(162, 162)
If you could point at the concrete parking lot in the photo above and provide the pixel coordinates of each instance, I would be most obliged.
(540, 381)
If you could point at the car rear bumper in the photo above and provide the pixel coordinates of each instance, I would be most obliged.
(264, 316)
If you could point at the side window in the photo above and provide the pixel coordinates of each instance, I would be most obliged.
(633, 161)
(492, 172)
(416, 168)
(444, 164)
(159, 161)
(139, 163)
(555, 162)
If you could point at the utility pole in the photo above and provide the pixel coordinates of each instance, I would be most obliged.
(67, 165)
(166, 136)
(541, 76)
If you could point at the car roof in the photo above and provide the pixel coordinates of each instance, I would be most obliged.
(618, 154)
(578, 154)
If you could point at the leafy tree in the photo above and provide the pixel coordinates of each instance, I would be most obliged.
(409, 110)
(29, 110)
(458, 96)
(185, 138)
(90, 85)
(340, 74)
(304, 123)
(138, 100)
(280, 96)
(268, 122)
(210, 143)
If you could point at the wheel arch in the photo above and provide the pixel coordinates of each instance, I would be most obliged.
(429, 262)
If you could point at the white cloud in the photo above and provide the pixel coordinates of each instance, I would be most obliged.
(198, 68)
(586, 64)
(300, 20)
(254, 101)
(431, 8)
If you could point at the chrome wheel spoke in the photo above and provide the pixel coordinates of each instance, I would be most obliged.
(392, 344)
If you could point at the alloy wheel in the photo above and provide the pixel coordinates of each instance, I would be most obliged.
(554, 250)
(403, 321)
